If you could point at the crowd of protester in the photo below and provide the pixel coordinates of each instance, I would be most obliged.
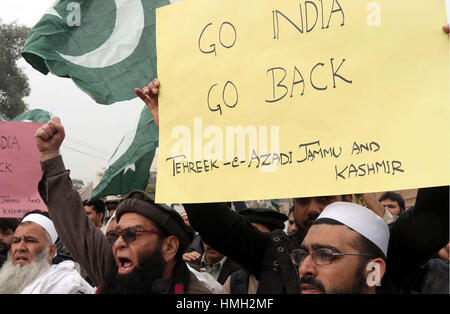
(326, 244)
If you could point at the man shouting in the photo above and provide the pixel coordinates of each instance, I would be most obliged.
(143, 254)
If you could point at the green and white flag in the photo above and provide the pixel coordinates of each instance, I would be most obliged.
(107, 47)
(35, 115)
(129, 166)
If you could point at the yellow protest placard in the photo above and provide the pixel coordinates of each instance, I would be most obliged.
(277, 99)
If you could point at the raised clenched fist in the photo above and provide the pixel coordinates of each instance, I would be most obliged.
(49, 138)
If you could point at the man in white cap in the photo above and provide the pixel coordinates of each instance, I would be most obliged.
(29, 269)
(344, 251)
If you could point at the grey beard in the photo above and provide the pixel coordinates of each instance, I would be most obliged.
(14, 278)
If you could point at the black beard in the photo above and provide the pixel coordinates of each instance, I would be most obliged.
(312, 281)
(358, 285)
(140, 281)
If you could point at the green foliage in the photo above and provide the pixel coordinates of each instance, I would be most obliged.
(13, 82)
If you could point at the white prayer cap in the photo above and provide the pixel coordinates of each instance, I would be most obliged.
(362, 220)
(45, 223)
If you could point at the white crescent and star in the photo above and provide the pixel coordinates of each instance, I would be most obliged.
(120, 45)
(124, 38)
(131, 167)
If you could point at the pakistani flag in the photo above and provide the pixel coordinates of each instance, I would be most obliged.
(129, 166)
(35, 115)
(107, 47)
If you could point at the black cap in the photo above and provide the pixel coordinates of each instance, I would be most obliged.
(271, 219)
(142, 203)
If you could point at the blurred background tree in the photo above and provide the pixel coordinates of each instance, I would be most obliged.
(13, 82)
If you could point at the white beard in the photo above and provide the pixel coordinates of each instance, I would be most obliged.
(14, 278)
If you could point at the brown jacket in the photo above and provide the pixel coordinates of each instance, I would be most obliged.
(86, 243)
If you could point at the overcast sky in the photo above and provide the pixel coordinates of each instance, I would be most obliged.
(93, 131)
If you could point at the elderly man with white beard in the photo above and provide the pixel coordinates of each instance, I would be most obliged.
(29, 269)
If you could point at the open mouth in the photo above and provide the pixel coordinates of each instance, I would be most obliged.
(309, 289)
(125, 265)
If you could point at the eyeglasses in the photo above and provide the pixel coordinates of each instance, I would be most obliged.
(129, 234)
(321, 257)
